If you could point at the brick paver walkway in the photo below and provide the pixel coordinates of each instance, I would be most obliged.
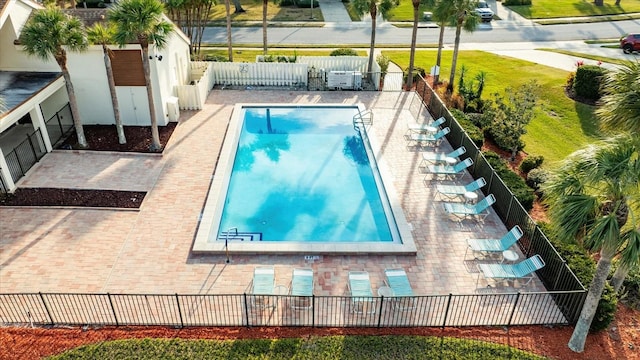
(80, 250)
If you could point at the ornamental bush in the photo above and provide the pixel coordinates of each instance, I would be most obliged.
(344, 52)
(587, 81)
(516, 2)
(515, 183)
(474, 132)
(531, 162)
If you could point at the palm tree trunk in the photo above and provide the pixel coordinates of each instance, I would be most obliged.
(618, 277)
(73, 103)
(414, 35)
(454, 61)
(617, 2)
(114, 98)
(264, 26)
(155, 135)
(238, 6)
(436, 78)
(229, 43)
(373, 10)
(579, 336)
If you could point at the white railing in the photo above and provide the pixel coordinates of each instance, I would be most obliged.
(260, 74)
(193, 95)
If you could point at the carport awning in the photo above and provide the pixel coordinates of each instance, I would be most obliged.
(16, 87)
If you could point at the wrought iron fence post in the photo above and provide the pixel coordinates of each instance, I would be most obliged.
(246, 308)
(380, 311)
(515, 304)
(506, 216)
(113, 309)
(446, 311)
(179, 310)
(44, 303)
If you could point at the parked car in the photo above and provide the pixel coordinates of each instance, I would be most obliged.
(484, 11)
(630, 43)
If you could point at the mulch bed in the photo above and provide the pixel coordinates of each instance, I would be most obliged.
(105, 138)
(74, 197)
(621, 341)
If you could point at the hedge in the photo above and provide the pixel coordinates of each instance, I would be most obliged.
(515, 183)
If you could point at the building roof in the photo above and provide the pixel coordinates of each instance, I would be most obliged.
(17, 87)
(88, 16)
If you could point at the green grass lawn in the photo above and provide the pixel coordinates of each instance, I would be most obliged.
(404, 11)
(561, 125)
(319, 348)
(274, 12)
(243, 55)
(544, 9)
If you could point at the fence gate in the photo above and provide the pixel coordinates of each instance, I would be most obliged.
(392, 81)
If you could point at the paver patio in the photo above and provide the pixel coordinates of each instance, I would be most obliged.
(148, 251)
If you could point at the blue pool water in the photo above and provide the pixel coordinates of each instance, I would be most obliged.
(303, 174)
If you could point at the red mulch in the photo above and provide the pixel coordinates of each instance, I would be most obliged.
(621, 341)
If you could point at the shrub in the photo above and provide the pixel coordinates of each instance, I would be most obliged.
(530, 163)
(417, 72)
(383, 61)
(587, 81)
(472, 130)
(584, 267)
(452, 101)
(344, 52)
(306, 3)
(216, 58)
(515, 183)
(537, 177)
(516, 2)
(630, 292)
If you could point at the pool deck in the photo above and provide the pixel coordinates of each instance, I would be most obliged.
(149, 251)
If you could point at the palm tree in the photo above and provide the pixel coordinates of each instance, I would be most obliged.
(414, 35)
(45, 35)
(265, 4)
(227, 7)
(620, 111)
(442, 12)
(592, 196)
(142, 22)
(103, 35)
(372, 7)
(464, 17)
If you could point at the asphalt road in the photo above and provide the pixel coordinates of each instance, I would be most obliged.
(496, 32)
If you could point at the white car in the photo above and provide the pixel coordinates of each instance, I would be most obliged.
(484, 12)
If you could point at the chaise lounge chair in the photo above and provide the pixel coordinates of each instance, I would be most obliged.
(439, 157)
(361, 292)
(488, 246)
(263, 284)
(302, 289)
(397, 280)
(419, 139)
(414, 127)
(453, 191)
(524, 270)
(449, 170)
(462, 211)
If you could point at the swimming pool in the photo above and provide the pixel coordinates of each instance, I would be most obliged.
(302, 179)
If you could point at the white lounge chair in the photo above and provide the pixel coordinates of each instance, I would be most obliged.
(302, 289)
(413, 127)
(489, 246)
(263, 284)
(524, 270)
(453, 191)
(397, 280)
(361, 292)
(463, 211)
(439, 157)
(422, 140)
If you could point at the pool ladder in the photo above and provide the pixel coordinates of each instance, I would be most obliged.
(362, 118)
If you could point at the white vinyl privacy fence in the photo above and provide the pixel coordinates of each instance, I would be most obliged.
(204, 75)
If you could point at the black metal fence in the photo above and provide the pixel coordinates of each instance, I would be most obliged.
(60, 124)
(25, 155)
(491, 309)
(556, 275)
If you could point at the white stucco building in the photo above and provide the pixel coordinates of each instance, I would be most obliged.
(36, 98)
